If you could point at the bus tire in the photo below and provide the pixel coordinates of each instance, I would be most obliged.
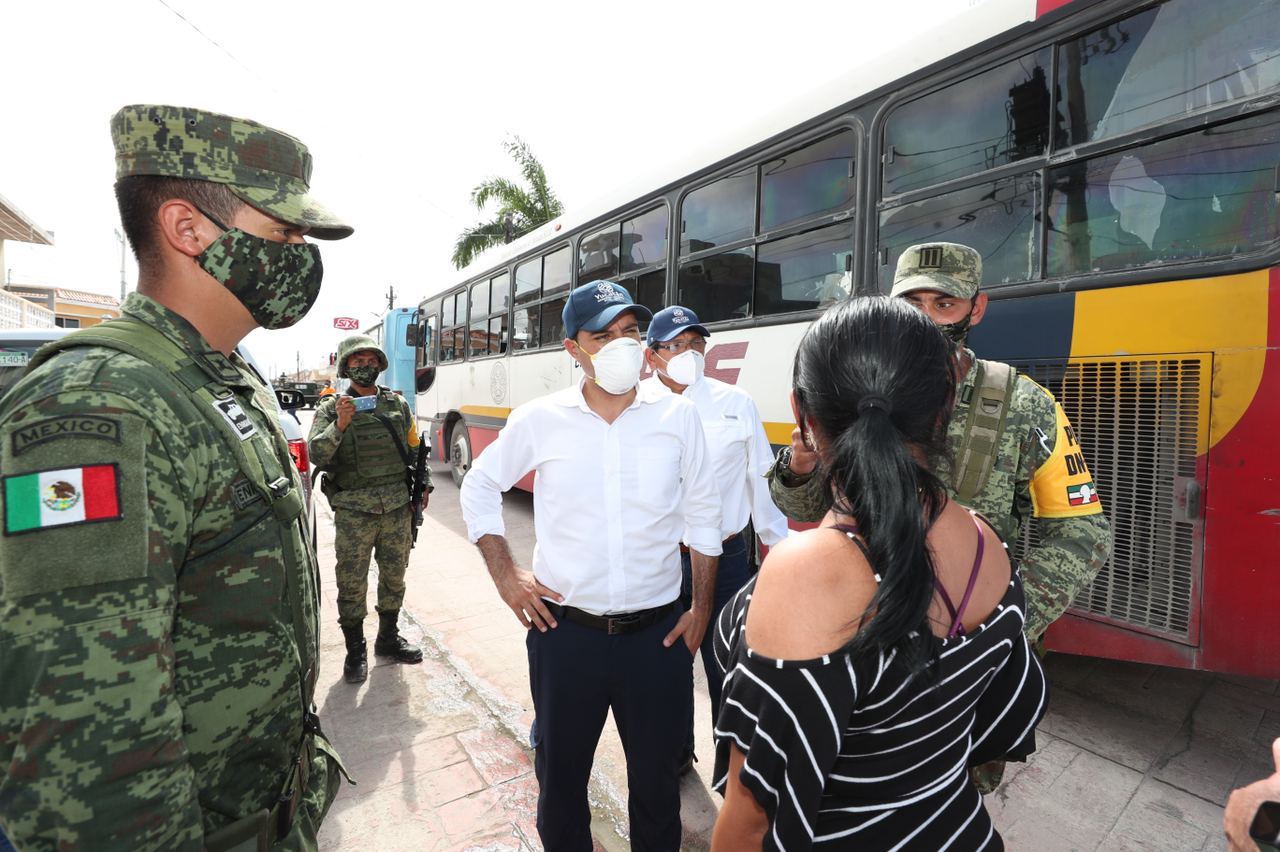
(459, 452)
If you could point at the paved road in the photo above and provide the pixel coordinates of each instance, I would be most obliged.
(1131, 756)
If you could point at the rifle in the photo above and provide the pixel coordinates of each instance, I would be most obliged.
(417, 477)
(419, 487)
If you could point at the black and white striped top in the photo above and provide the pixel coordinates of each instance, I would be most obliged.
(843, 751)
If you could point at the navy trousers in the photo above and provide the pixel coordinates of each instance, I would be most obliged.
(577, 674)
(731, 575)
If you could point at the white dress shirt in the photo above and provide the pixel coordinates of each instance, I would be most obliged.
(740, 456)
(611, 502)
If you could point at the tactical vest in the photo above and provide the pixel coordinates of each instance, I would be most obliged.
(989, 403)
(368, 456)
(195, 392)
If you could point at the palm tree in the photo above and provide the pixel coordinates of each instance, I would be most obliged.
(520, 208)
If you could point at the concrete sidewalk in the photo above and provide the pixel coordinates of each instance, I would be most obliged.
(434, 769)
(1130, 756)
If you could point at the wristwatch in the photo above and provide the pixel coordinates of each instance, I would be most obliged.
(788, 477)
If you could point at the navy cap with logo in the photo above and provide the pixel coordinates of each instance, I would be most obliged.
(669, 322)
(593, 306)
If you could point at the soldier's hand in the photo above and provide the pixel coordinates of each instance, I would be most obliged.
(521, 591)
(803, 458)
(1243, 804)
(346, 410)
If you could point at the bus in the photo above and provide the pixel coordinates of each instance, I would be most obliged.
(397, 334)
(1117, 165)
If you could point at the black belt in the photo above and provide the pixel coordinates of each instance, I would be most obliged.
(684, 548)
(615, 625)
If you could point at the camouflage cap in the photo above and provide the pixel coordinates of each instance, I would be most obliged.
(946, 267)
(358, 343)
(265, 168)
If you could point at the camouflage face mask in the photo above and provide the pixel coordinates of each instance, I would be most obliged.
(364, 376)
(277, 282)
(957, 331)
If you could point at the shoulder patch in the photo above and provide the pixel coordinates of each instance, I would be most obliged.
(239, 421)
(61, 497)
(29, 435)
(73, 512)
(1063, 487)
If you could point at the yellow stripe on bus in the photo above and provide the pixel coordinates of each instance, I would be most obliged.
(779, 433)
(1226, 315)
(486, 411)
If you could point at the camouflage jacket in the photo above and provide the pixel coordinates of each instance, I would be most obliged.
(158, 623)
(325, 439)
(1039, 471)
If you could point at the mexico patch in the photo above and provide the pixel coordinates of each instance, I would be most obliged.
(63, 497)
(1082, 494)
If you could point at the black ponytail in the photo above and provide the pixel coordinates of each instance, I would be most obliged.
(875, 376)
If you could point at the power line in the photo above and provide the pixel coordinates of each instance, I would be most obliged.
(218, 45)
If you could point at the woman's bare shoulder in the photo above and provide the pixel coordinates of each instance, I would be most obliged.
(810, 596)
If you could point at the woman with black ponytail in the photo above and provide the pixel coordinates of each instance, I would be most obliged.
(876, 658)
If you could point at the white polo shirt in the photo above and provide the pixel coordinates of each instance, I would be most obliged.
(740, 456)
(611, 501)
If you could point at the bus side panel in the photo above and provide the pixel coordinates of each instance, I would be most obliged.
(1242, 591)
(1165, 382)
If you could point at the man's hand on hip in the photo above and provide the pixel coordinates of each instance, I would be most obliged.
(524, 594)
(518, 588)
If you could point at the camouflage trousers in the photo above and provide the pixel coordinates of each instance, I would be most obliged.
(359, 535)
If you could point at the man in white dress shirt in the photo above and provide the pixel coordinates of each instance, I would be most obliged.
(740, 456)
(620, 479)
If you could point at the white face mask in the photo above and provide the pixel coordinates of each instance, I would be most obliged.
(686, 368)
(617, 365)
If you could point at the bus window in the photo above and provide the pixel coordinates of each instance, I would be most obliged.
(719, 213)
(556, 272)
(805, 271)
(499, 293)
(992, 119)
(428, 332)
(718, 287)
(1165, 62)
(528, 282)
(650, 290)
(598, 255)
(453, 337)
(812, 181)
(644, 240)
(479, 300)
(551, 332)
(487, 333)
(999, 219)
(1206, 194)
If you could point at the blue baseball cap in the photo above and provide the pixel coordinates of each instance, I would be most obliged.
(593, 306)
(669, 322)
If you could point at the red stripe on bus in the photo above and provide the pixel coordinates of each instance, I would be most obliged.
(1044, 7)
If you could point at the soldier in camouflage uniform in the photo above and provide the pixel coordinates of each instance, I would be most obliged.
(158, 595)
(364, 461)
(1036, 467)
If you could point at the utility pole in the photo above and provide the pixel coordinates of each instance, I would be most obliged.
(120, 237)
(391, 297)
(298, 373)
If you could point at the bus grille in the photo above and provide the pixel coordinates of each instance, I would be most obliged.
(1138, 422)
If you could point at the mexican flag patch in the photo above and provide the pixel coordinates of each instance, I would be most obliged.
(1082, 494)
(55, 498)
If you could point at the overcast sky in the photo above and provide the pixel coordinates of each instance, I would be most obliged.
(404, 107)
